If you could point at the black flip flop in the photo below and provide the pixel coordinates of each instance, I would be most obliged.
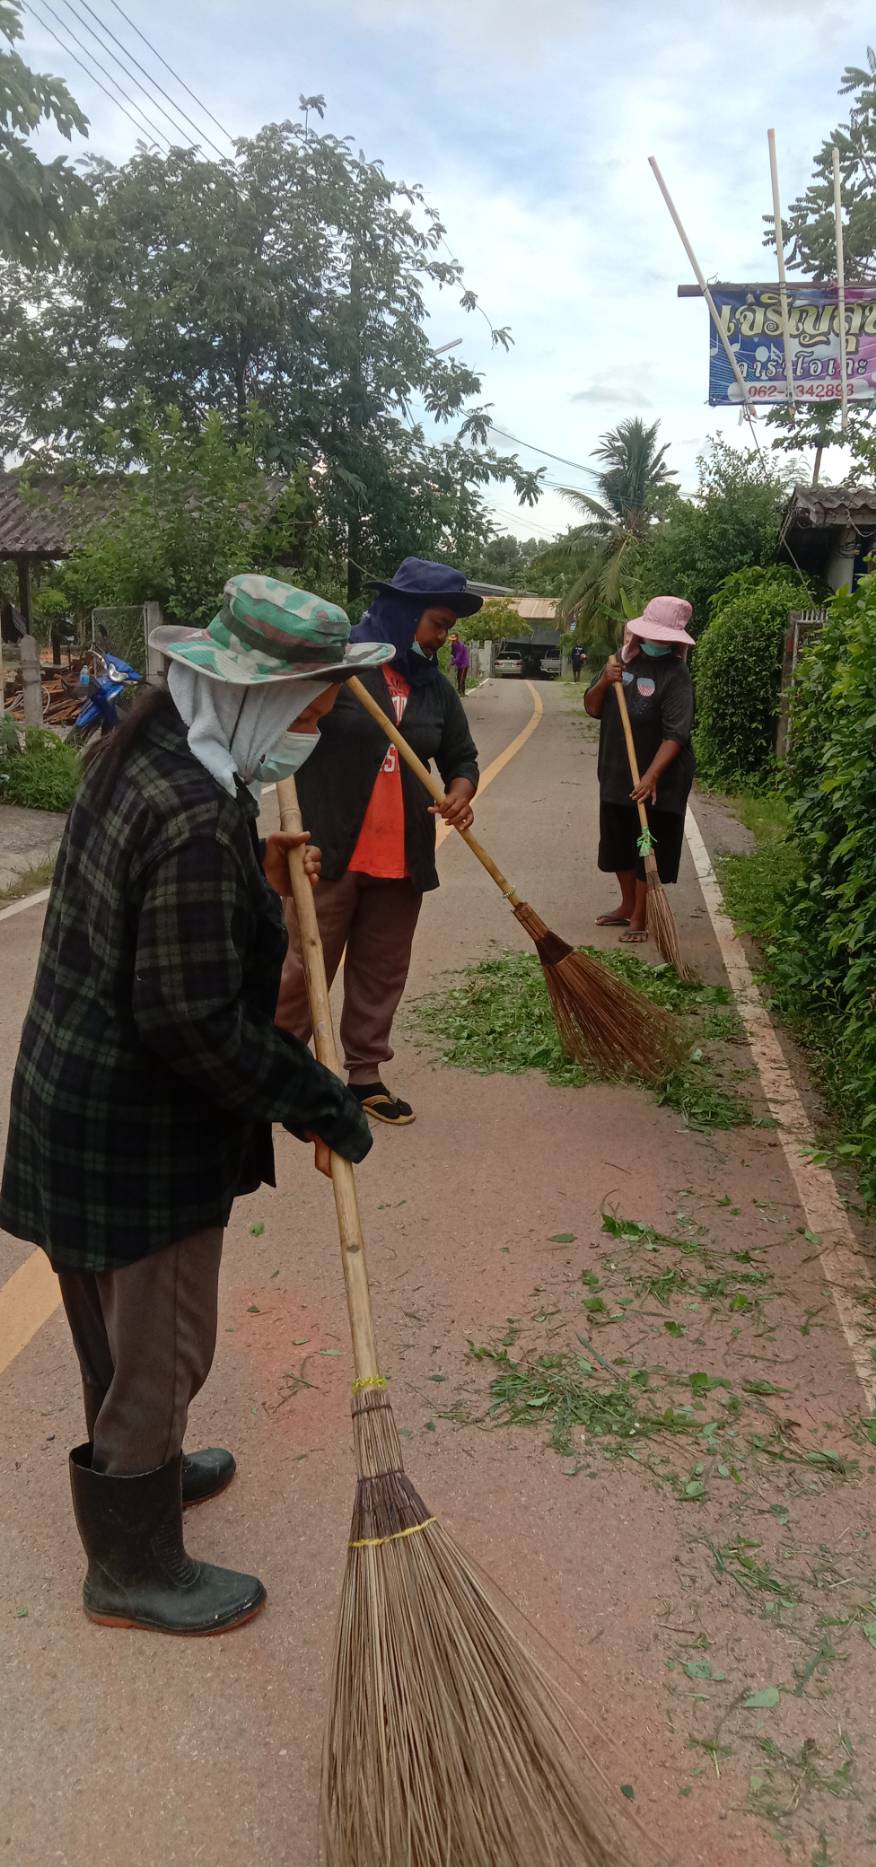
(377, 1102)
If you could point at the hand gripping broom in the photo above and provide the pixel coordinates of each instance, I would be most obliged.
(446, 1746)
(598, 1016)
(659, 918)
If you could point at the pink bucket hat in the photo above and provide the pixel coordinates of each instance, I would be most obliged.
(664, 619)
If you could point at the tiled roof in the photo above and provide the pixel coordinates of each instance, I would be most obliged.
(35, 514)
(833, 505)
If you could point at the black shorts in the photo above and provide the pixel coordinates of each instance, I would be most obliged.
(619, 832)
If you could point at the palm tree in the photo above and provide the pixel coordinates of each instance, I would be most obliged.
(602, 552)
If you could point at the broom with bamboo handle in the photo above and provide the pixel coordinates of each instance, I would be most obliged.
(445, 1743)
(660, 920)
(598, 1016)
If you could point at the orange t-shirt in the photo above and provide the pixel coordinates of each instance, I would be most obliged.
(381, 847)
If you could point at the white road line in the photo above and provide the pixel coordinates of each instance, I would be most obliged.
(845, 1265)
(29, 901)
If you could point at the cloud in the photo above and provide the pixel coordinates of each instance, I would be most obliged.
(608, 395)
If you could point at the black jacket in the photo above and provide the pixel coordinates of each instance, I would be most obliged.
(335, 785)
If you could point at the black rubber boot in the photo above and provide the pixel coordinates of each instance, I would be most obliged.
(205, 1474)
(139, 1574)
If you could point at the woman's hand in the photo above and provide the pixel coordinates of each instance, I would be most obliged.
(646, 789)
(322, 1155)
(456, 807)
(612, 672)
(276, 859)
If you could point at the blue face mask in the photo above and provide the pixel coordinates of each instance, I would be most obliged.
(656, 649)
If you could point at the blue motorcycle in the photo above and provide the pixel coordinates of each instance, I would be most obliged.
(106, 678)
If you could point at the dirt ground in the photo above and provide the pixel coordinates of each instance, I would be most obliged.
(699, 1548)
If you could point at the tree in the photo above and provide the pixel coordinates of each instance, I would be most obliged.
(602, 555)
(504, 560)
(36, 198)
(731, 524)
(200, 512)
(292, 278)
(810, 230)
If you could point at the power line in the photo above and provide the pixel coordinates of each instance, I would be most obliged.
(153, 82)
(561, 458)
(174, 74)
(91, 75)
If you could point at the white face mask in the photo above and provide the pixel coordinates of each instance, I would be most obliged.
(286, 757)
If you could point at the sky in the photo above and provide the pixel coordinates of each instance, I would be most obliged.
(529, 124)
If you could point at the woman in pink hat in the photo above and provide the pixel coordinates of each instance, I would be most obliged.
(659, 695)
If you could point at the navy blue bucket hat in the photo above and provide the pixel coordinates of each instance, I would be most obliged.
(434, 585)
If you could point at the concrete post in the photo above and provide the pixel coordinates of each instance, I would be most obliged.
(156, 664)
(31, 681)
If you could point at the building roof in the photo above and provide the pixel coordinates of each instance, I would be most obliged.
(531, 608)
(831, 506)
(35, 512)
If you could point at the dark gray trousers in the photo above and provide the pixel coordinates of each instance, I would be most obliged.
(145, 1336)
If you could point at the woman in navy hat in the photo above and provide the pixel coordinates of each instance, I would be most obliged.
(374, 823)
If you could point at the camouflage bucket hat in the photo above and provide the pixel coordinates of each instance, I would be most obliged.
(269, 631)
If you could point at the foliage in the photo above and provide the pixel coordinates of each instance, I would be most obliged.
(810, 231)
(199, 513)
(731, 523)
(738, 670)
(498, 621)
(824, 964)
(504, 560)
(36, 198)
(602, 554)
(43, 775)
(499, 1019)
(292, 278)
(755, 884)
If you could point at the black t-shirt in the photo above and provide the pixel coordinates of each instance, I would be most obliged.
(659, 695)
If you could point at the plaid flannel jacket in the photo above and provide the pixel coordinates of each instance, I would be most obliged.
(150, 1064)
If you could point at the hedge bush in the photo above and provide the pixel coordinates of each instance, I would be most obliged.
(737, 673)
(824, 961)
(44, 774)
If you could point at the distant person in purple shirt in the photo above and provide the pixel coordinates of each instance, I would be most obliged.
(460, 661)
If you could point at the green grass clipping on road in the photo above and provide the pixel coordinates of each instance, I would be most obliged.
(496, 1019)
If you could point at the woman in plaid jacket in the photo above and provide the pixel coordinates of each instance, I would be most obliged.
(151, 1069)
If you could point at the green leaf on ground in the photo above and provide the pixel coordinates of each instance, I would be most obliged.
(762, 1701)
(255, 1231)
(562, 1238)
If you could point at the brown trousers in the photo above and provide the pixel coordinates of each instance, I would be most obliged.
(375, 920)
(145, 1336)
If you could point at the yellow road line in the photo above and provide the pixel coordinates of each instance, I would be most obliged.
(504, 758)
(31, 1294)
(27, 1300)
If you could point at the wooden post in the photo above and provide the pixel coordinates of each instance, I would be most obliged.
(841, 287)
(25, 602)
(780, 255)
(31, 682)
(700, 277)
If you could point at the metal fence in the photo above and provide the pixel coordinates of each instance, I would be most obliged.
(801, 623)
(120, 629)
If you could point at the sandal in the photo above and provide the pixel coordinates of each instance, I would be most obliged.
(377, 1102)
(635, 936)
(612, 920)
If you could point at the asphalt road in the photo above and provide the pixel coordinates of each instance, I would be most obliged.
(745, 1574)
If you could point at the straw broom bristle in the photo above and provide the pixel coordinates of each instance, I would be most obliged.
(447, 1746)
(661, 922)
(600, 1017)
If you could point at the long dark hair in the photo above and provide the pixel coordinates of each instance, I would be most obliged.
(104, 758)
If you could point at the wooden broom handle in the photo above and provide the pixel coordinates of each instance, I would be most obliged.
(431, 784)
(631, 744)
(343, 1177)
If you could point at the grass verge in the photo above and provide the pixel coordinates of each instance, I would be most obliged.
(27, 884)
